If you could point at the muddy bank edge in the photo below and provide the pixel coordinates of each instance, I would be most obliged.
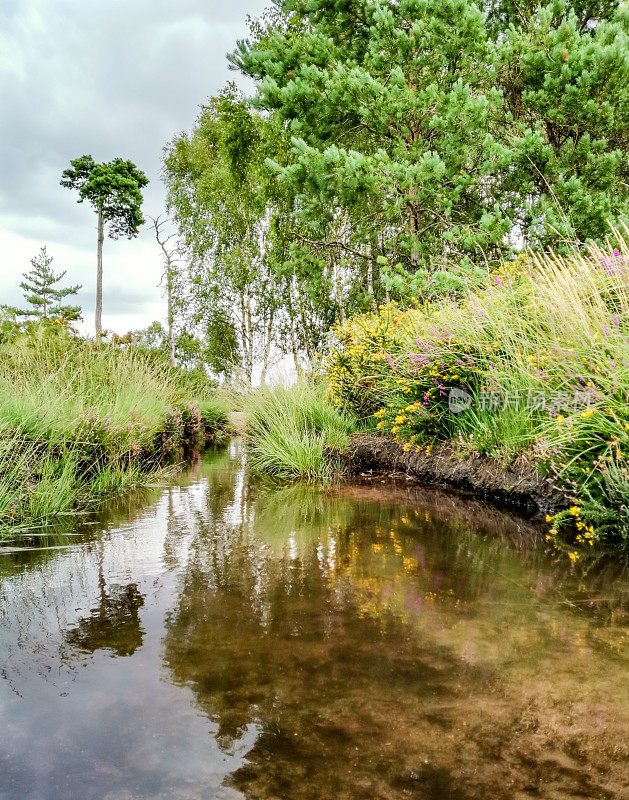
(517, 486)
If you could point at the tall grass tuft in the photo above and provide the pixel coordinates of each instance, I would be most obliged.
(290, 429)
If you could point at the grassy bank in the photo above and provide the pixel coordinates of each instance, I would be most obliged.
(534, 364)
(79, 423)
(289, 429)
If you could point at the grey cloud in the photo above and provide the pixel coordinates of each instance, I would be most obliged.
(119, 78)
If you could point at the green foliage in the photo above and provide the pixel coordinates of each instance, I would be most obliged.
(290, 429)
(217, 199)
(192, 353)
(214, 415)
(394, 150)
(248, 286)
(563, 72)
(440, 132)
(114, 187)
(78, 421)
(114, 191)
(42, 295)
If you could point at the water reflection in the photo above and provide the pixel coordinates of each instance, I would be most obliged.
(385, 651)
(113, 625)
(367, 642)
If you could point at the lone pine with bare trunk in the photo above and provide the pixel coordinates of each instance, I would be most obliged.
(114, 190)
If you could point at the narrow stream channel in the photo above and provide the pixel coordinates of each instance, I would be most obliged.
(220, 640)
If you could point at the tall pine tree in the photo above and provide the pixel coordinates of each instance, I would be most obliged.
(114, 189)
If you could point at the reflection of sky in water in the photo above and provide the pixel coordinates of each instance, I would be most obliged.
(232, 641)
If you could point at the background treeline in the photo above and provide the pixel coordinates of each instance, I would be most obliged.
(391, 150)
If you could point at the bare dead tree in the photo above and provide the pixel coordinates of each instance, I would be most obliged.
(170, 256)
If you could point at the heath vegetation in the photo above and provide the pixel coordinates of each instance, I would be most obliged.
(79, 421)
(533, 363)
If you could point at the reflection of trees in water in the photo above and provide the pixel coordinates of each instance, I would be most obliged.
(113, 625)
(344, 630)
(273, 627)
(354, 635)
(59, 604)
(270, 639)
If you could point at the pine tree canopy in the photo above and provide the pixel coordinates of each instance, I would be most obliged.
(42, 293)
(114, 186)
(451, 129)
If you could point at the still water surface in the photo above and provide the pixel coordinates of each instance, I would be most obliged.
(222, 640)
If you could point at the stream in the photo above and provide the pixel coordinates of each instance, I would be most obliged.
(222, 639)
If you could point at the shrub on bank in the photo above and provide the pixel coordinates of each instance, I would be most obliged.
(290, 429)
(535, 363)
(78, 422)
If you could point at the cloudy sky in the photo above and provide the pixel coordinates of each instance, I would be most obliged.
(109, 78)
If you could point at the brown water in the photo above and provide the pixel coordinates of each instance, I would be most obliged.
(216, 639)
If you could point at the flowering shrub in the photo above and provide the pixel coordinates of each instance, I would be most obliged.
(536, 363)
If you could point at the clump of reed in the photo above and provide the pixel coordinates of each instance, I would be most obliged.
(291, 429)
(80, 422)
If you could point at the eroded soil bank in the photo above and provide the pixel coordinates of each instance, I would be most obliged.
(518, 486)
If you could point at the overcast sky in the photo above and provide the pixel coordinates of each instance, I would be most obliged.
(109, 78)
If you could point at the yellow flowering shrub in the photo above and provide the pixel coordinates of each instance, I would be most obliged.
(536, 362)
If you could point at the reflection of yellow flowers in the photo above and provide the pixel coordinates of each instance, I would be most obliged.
(573, 555)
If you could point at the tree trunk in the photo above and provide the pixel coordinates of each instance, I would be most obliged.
(250, 335)
(291, 317)
(169, 261)
(99, 274)
(169, 290)
(415, 217)
(267, 349)
(293, 343)
(245, 334)
(338, 285)
(370, 287)
(305, 326)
